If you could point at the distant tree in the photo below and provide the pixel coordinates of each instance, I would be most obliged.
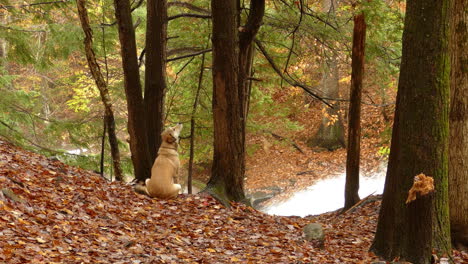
(155, 72)
(137, 127)
(458, 151)
(102, 87)
(354, 124)
(229, 95)
(419, 141)
(331, 131)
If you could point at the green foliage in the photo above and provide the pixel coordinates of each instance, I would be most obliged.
(51, 100)
(384, 151)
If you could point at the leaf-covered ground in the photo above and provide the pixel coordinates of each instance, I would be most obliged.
(53, 213)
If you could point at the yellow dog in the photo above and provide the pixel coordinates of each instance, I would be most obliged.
(165, 167)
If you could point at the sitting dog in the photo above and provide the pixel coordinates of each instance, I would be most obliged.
(165, 167)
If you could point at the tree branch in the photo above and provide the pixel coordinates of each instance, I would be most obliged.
(189, 6)
(188, 15)
(289, 79)
(33, 4)
(189, 55)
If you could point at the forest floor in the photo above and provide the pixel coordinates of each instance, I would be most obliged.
(54, 213)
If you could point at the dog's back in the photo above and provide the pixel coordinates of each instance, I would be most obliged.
(165, 168)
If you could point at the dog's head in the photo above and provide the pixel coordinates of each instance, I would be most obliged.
(171, 134)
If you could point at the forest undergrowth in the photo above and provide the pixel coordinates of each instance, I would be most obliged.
(54, 213)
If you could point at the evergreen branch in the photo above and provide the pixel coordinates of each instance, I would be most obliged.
(22, 30)
(33, 4)
(188, 15)
(289, 79)
(189, 6)
(32, 142)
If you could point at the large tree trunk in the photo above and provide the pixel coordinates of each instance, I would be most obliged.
(155, 72)
(227, 174)
(354, 127)
(136, 117)
(458, 153)
(419, 140)
(102, 87)
(230, 72)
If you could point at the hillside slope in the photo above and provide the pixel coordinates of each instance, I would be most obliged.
(54, 213)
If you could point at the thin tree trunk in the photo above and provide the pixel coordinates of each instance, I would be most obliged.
(246, 36)
(155, 72)
(136, 118)
(192, 125)
(419, 140)
(458, 153)
(102, 86)
(354, 128)
(103, 146)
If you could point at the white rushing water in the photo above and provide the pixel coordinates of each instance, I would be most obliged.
(324, 196)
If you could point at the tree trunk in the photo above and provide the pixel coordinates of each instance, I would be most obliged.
(155, 72)
(419, 140)
(331, 131)
(354, 128)
(102, 86)
(136, 118)
(192, 125)
(229, 150)
(227, 174)
(458, 153)
(246, 35)
(230, 70)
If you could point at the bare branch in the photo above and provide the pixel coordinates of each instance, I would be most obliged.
(188, 15)
(189, 55)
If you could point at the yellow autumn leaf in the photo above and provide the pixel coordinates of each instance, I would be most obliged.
(211, 250)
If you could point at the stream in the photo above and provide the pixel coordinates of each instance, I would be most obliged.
(324, 196)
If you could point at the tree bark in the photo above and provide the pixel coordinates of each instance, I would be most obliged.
(458, 153)
(155, 73)
(354, 127)
(102, 87)
(419, 141)
(231, 45)
(227, 173)
(246, 36)
(136, 118)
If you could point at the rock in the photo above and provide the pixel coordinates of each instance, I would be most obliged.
(262, 195)
(314, 231)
